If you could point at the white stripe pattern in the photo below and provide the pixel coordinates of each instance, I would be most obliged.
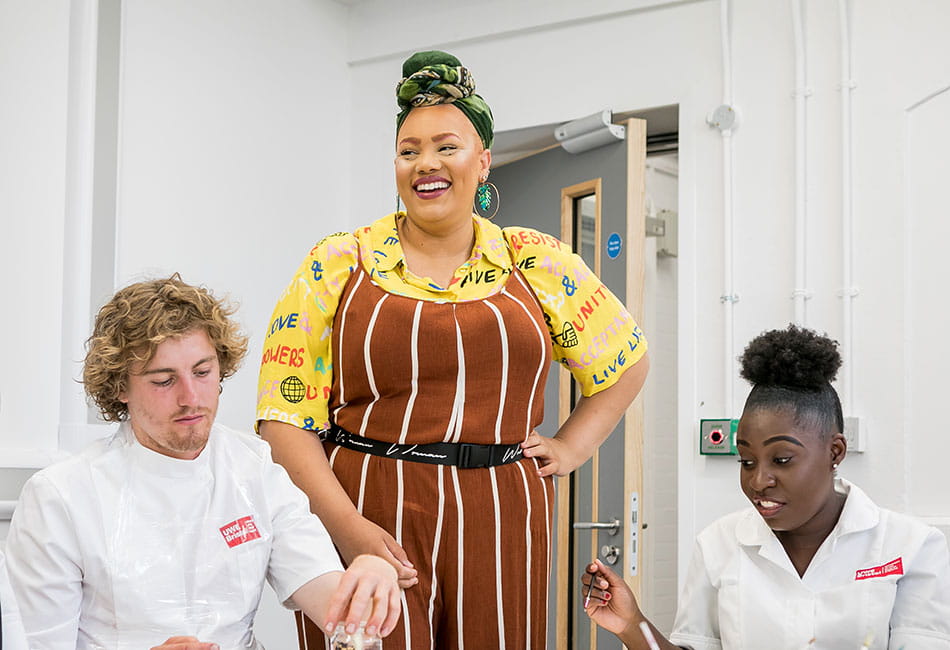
(339, 351)
(405, 618)
(503, 333)
(435, 554)
(400, 492)
(527, 537)
(543, 345)
(547, 524)
(460, 564)
(499, 587)
(458, 405)
(368, 363)
(359, 502)
(414, 353)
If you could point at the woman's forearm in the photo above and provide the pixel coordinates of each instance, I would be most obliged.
(594, 417)
(301, 454)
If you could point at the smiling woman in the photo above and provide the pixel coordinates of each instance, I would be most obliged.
(423, 352)
(815, 563)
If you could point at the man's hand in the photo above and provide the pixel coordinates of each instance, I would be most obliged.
(186, 643)
(368, 591)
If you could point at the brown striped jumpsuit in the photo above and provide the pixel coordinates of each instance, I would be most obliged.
(413, 371)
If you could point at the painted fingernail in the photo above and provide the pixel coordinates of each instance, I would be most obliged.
(607, 596)
(329, 626)
(351, 628)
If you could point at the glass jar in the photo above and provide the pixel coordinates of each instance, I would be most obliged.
(359, 640)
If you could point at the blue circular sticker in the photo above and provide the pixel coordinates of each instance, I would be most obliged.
(614, 245)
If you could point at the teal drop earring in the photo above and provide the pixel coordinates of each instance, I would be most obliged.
(487, 199)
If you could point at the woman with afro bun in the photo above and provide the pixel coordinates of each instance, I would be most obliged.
(813, 563)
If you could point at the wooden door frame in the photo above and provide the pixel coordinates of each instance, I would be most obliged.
(633, 422)
(568, 197)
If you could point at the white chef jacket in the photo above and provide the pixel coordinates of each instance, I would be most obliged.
(120, 547)
(877, 572)
(12, 627)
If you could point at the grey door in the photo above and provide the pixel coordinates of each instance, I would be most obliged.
(593, 200)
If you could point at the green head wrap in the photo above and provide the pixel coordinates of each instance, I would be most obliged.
(436, 77)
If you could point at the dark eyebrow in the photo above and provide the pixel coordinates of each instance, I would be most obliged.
(769, 441)
(156, 371)
(791, 439)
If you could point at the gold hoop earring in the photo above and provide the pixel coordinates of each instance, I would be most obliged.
(487, 196)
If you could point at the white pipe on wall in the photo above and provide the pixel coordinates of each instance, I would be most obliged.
(800, 294)
(77, 229)
(728, 297)
(848, 291)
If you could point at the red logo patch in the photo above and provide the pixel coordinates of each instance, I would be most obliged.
(894, 567)
(240, 531)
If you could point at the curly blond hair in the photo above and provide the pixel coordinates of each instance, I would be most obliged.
(137, 319)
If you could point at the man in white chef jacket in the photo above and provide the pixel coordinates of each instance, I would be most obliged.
(162, 535)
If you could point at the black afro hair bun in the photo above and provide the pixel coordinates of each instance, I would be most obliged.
(794, 357)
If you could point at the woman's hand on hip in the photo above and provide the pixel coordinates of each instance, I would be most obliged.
(554, 456)
(365, 537)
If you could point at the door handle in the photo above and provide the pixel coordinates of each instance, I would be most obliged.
(611, 527)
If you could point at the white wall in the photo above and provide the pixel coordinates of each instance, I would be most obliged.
(34, 42)
(539, 62)
(658, 585)
(233, 150)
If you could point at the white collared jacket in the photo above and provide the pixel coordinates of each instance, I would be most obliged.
(119, 547)
(879, 576)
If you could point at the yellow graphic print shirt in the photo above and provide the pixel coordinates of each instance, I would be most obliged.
(592, 333)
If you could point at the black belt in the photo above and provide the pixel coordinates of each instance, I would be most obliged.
(460, 454)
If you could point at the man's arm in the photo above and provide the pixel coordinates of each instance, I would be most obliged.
(45, 567)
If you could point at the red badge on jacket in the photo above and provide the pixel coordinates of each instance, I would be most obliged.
(894, 567)
(240, 531)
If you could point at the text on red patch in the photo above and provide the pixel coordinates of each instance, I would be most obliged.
(894, 567)
(240, 531)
